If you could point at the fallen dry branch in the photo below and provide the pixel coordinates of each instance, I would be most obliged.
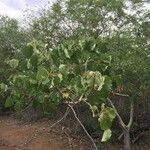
(71, 107)
(63, 117)
(140, 135)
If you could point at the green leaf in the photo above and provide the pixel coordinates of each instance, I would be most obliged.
(45, 81)
(41, 99)
(35, 103)
(111, 112)
(106, 135)
(57, 79)
(105, 121)
(107, 115)
(32, 81)
(18, 105)
(99, 80)
(28, 51)
(13, 63)
(106, 88)
(77, 85)
(95, 98)
(9, 103)
(66, 53)
(34, 60)
(63, 69)
(3, 87)
(28, 64)
(42, 75)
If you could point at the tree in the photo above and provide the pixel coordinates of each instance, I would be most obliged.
(12, 39)
(84, 56)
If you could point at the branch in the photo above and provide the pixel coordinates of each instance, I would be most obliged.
(83, 126)
(75, 102)
(139, 136)
(64, 116)
(119, 94)
(119, 117)
(131, 114)
(67, 111)
(121, 135)
(93, 113)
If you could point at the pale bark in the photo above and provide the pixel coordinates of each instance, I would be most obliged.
(126, 133)
(125, 128)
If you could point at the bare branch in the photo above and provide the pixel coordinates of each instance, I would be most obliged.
(64, 116)
(119, 117)
(121, 135)
(140, 135)
(83, 127)
(131, 114)
(93, 113)
(75, 102)
(119, 94)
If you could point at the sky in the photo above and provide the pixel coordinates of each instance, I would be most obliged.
(14, 8)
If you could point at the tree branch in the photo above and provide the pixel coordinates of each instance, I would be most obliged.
(119, 94)
(119, 117)
(131, 114)
(83, 126)
(64, 116)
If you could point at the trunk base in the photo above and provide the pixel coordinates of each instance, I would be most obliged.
(126, 134)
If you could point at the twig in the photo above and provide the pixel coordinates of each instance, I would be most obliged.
(119, 117)
(139, 136)
(75, 102)
(121, 135)
(131, 115)
(64, 116)
(93, 112)
(83, 126)
(119, 94)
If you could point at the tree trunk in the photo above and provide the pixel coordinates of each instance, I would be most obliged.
(126, 133)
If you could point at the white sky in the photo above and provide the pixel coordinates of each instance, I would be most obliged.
(14, 8)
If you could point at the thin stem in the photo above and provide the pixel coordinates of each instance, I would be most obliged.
(83, 127)
(119, 117)
(131, 114)
(119, 94)
(64, 116)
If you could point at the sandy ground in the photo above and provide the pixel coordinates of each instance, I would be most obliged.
(15, 135)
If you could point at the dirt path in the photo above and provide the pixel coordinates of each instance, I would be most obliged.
(36, 136)
(15, 135)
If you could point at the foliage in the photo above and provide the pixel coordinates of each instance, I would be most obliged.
(62, 80)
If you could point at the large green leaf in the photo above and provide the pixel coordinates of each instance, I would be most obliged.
(13, 63)
(3, 87)
(34, 60)
(28, 51)
(95, 98)
(42, 75)
(57, 79)
(106, 88)
(106, 118)
(105, 121)
(77, 85)
(9, 103)
(106, 135)
(111, 113)
(99, 81)
(66, 52)
(63, 69)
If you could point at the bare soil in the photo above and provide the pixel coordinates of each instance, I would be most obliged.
(18, 135)
(15, 135)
